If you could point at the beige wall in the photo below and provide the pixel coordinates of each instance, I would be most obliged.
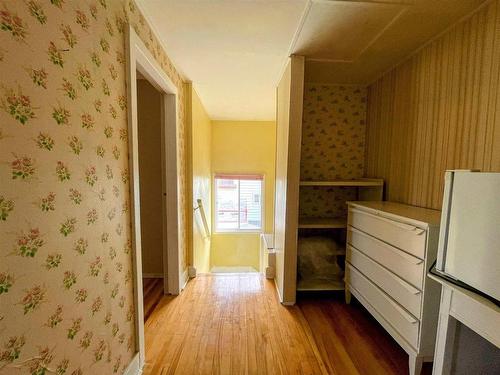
(438, 110)
(288, 140)
(200, 138)
(244, 147)
(65, 185)
(150, 174)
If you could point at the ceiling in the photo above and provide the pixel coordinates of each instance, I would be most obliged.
(355, 42)
(234, 51)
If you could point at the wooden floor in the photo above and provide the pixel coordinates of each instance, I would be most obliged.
(234, 324)
(350, 340)
(152, 290)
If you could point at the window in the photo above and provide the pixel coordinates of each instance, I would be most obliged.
(238, 203)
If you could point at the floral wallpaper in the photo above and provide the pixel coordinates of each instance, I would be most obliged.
(325, 202)
(333, 137)
(66, 294)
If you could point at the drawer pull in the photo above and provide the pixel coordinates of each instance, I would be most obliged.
(410, 228)
(402, 311)
(403, 283)
(400, 253)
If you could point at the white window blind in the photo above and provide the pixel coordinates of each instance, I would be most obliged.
(238, 203)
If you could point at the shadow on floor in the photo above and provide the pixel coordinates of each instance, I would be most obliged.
(349, 338)
(152, 290)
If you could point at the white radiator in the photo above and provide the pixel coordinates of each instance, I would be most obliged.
(267, 255)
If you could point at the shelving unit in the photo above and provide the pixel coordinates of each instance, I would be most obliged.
(313, 285)
(368, 189)
(362, 182)
(322, 223)
(320, 153)
(365, 189)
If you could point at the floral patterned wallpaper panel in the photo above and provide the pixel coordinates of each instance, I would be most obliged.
(66, 297)
(333, 138)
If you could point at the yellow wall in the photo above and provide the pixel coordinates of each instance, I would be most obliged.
(200, 139)
(243, 147)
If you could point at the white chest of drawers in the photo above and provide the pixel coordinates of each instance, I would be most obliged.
(390, 247)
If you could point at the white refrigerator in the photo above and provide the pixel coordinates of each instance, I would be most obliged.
(469, 241)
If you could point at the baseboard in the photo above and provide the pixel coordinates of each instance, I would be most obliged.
(278, 291)
(279, 296)
(134, 367)
(152, 275)
(185, 279)
(191, 272)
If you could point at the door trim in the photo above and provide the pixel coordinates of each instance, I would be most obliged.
(140, 59)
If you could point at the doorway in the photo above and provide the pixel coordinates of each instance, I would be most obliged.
(151, 193)
(154, 182)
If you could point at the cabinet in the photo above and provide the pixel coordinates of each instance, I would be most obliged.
(390, 247)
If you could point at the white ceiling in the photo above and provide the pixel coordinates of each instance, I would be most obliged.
(234, 50)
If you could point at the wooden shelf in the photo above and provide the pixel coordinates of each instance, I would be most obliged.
(319, 285)
(365, 182)
(322, 223)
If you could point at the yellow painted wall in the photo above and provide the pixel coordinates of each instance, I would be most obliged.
(243, 147)
(200, 163)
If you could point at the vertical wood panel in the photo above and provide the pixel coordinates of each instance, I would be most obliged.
(438, 110)
(494, 140)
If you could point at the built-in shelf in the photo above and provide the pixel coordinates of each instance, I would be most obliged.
(338, 252)
(353, 183)
(322, 223)
(319, 285)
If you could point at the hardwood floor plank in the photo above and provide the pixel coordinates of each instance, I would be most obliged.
(335, 356)
(348, 336)
(234, 324)
(153, 293)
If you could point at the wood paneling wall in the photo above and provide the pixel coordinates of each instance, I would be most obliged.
(438, 110)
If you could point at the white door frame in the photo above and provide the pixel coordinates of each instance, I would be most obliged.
(140, 59)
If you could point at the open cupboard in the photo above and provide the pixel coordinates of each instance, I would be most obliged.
(319, 167)
(322, 229)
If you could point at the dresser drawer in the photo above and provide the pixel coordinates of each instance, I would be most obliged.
(406, 266)
(404, 236)
(402, 321)
(407, 295)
